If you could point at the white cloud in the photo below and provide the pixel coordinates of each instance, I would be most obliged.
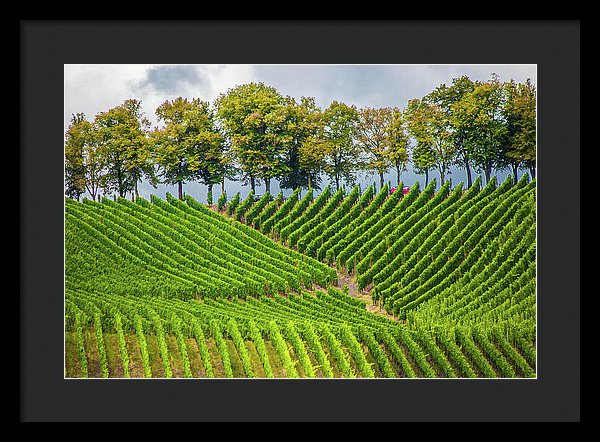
(92, 89)
(96, 88)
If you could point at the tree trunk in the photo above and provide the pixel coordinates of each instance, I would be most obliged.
(532, 171)
(136, 193)
(223, 185)
(515, 168)
(309, 182)
(252, 183)
(381, 180)
(91, 191)
(397, 175)
(488, 173)
(426, 178)
(337, 182)
(120, 183)
(179, 183)
(267, 185)
(468, 169)
(209, 193)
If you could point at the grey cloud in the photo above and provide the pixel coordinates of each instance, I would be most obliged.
(171, 79)
(376, 85)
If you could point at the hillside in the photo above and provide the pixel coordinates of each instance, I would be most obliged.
(171, 288)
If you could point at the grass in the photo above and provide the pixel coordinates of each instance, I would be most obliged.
(156, 364)
(275, 360)
(72, 366)
(113, 355)
(136, 369)
(257, 367)
(218, 370)
(174, 356)
(236, 363)
(196, 365)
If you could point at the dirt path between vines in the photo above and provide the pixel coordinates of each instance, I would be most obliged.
(343, 279)
(350, 280)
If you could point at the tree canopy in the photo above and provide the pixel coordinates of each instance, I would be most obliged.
(254, 119)
(254, 133)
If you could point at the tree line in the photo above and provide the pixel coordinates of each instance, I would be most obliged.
(255, 134)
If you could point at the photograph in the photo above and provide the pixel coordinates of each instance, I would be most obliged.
(300, 221)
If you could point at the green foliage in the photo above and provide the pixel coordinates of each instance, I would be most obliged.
(244, 206)
(303, 121)
(238, 340)
(268, 224)
(458, 267)
(314, 342)
(222, 201)
(340, 155)
(253, 132)
(79, 318)
(295, 339)
(122, 344)
(198, 335)
(176, 326)
(157, 324)
(121, 133)
(281, 347)
(216, 333)
(83, 159)
(189, 146)
(254, 119)
(100, 343)
(209, 196)
(256, 336)
(139, 330)
(378, 354)
(337, 353)
(233, 204)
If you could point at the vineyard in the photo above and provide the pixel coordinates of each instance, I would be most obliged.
(437, 284)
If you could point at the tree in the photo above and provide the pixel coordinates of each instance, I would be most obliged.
(373, 136)
(444, 151)
(398, 143)
(111, 131)
(82, 166)
(254, 117)
(140, 161)
(520, 117)
(303, 123)
(483, 108)
(311, 157)
(209, 144)
(422, 159)
(459, 118)
(341, 155)
(428, 124)
(121, 132)
(187, 147)
(229, 170)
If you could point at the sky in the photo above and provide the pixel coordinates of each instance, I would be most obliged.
(94, 88)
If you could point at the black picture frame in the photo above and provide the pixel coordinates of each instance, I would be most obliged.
(46, 45)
